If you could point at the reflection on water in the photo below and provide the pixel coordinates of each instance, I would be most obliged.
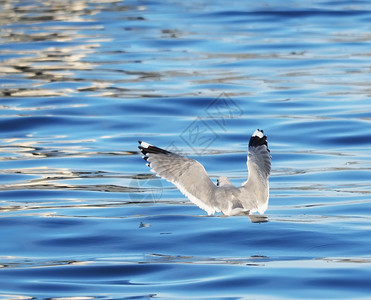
(82, 81)
(60, 46)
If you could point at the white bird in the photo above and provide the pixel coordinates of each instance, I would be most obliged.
(190, 177)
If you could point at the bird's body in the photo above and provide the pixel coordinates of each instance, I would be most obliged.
(190, 177)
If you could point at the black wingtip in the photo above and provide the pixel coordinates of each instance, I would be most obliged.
(148, 148)
(258, 139)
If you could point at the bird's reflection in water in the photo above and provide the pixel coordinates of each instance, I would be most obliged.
(258, 218)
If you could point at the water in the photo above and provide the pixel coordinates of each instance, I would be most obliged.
(81, 215)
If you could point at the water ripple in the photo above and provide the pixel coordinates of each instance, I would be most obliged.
(82, 217)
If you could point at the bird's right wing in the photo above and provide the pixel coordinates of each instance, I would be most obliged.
(187, 174)
(259, 159)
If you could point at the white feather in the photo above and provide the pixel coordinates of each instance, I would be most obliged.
(258, 133)
(145, 145)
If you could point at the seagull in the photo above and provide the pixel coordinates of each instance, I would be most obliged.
(190, 177)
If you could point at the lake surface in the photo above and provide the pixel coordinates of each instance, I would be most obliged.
(82, 216)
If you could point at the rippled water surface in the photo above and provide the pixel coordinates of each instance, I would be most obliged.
(81, 215)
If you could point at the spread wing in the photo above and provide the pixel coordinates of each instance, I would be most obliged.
(259, 159)
(187, 174)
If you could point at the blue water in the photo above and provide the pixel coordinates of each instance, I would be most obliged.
(82, 217)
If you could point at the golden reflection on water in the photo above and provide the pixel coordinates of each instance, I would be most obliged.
(48, 22)
(50, 65)
(52, 10)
